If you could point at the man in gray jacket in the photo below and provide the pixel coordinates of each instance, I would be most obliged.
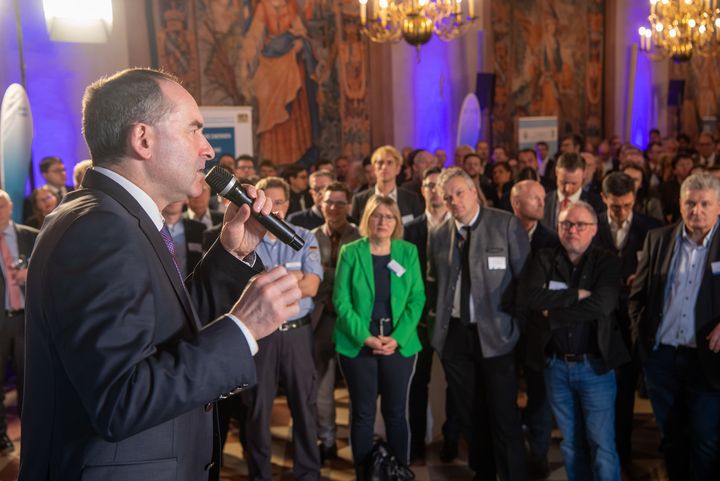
(474, 259)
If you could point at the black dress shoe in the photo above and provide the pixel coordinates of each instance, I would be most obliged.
(327, 452)
(448, 452)
(6, 446)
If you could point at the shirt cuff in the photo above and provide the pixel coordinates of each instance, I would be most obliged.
(252, 343)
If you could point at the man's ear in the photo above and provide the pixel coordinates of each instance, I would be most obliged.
(140, 140)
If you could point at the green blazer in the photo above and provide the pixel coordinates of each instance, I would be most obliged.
(354, 297)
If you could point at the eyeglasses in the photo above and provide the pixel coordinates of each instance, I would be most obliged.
(382, 217)
(335, 203)
(429, 185)
(580, 226)
(278, 202)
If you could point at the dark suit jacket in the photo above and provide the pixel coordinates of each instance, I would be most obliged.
(194, 232)
(295, 201)
(647, 296)
(551, 205)
(216, 217)
(308, 218)
(416, 231)
(118, 366)
(408, 202)
(628, 256)
(25, 242)
(497, 235)
(599, 275)
(543, 238)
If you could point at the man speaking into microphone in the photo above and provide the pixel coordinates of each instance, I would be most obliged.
(123, 367)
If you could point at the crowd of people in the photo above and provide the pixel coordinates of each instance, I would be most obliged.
(575, 274)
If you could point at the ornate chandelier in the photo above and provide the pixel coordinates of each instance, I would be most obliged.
(416, 20)
(682, 28)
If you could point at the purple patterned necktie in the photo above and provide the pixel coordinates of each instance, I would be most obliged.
(167, 238)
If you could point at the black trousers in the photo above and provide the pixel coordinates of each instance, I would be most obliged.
(418, 401)
(484, 391)
(12, 347)
(285, 357)
(368, 375)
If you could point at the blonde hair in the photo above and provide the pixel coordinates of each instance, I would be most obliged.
(386, 149)
(372, 204)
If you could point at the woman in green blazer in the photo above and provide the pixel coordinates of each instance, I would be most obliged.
(379, 297)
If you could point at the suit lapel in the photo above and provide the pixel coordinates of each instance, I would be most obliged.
(103, 183)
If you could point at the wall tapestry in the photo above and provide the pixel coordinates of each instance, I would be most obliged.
(548, 62)
(301, 65)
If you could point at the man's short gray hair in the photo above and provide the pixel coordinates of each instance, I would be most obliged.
(700, 182)
(448, 174)
(582, 205)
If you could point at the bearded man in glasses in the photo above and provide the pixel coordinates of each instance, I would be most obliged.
(577, 342)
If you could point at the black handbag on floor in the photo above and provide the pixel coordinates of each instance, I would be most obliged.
(383, 466)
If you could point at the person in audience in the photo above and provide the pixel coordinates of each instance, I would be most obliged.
(53, 172)
(673, 309)
(419, 160)
(654, 154)
(499, 155)
(386, 162)
(227, 161)
(342, 167)
(325, 165)
(576, 342)
(297, 178)
(245, 167)
(43, 201)
(16, 245)
(379, 298)
(570, 173)
(416, 232)
(460, 152)
(654, 136)
(286, 355)
(543, 152)
(705, 146)
(570, 144)
(312, 217)
(440, 157)
(475, 331)
(79, 172)
(499, 195)
(682, 165)
(528, 202)
(714, 171)
(647, 201)
(355, 179)
(370, 176)
(331, 236)
(527, 158)
(474, 167)
(268, 169)
(622, 231)
(198, 209)
(187, 237)
(482, 149)
(684, 144)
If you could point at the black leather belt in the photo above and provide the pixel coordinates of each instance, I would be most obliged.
(576, 357)
(19, 312)
(294, 324)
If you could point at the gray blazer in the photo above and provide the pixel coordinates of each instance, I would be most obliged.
(496, 234)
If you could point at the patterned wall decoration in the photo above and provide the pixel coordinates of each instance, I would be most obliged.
(548, 62)
(701, 96)
(301, 64)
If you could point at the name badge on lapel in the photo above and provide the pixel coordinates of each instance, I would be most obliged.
(293, 266)
(497, 263)
(715, 266)
(557, 286)
(396, 268)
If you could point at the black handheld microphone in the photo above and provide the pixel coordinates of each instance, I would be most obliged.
(226, 185)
